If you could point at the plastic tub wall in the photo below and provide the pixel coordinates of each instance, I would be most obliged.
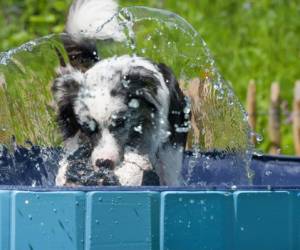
(145, 220)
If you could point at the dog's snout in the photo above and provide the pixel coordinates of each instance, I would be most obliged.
(105, 163)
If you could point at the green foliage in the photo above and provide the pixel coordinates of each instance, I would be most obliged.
(249, 39)
(27, 19)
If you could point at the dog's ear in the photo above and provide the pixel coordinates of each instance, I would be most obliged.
(82, 54)
(143, 82)
(178, 113)
(65, 90)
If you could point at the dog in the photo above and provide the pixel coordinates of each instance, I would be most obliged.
(123, 119)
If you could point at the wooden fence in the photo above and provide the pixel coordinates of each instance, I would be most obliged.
(274, 115)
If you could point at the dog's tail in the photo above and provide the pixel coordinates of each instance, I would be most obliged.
(88, 21)
(94, 19)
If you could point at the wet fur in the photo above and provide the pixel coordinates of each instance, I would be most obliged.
(93, 96)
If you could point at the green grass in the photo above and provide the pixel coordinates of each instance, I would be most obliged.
(249, 40)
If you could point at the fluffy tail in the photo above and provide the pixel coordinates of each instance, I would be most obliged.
(88, 21)
(94, 19)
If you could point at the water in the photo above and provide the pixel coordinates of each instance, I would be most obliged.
(218, 130)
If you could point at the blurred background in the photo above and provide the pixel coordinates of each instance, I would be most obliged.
(251, 41)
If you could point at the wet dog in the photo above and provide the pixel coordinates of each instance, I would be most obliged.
(123, 119)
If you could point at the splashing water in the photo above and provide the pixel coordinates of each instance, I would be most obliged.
(218, 131)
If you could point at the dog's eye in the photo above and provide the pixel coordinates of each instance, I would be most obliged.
(90, 127)
(118, 122)
(141, 99)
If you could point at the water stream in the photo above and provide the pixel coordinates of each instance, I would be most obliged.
(218, 130)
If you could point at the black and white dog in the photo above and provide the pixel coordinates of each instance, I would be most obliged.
(124, 117)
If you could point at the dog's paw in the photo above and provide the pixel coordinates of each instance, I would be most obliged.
(129, 174)
(131, 171)
(141, 161)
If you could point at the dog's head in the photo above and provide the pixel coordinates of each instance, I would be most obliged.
(121, 102)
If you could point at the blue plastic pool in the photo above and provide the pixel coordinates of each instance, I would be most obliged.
(260, 217)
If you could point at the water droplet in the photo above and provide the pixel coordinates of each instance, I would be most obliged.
(268, 173)
(258, 152)
(189, 224)
(259, 137)
(187, 110)
(247, 6)
(139, 129)
(134, 103)
(182, 129)
(132, 46)
(26, 202)
(125, 83)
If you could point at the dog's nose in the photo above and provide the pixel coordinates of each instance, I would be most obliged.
(105, 163)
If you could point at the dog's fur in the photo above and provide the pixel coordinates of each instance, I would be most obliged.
(127, 112)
